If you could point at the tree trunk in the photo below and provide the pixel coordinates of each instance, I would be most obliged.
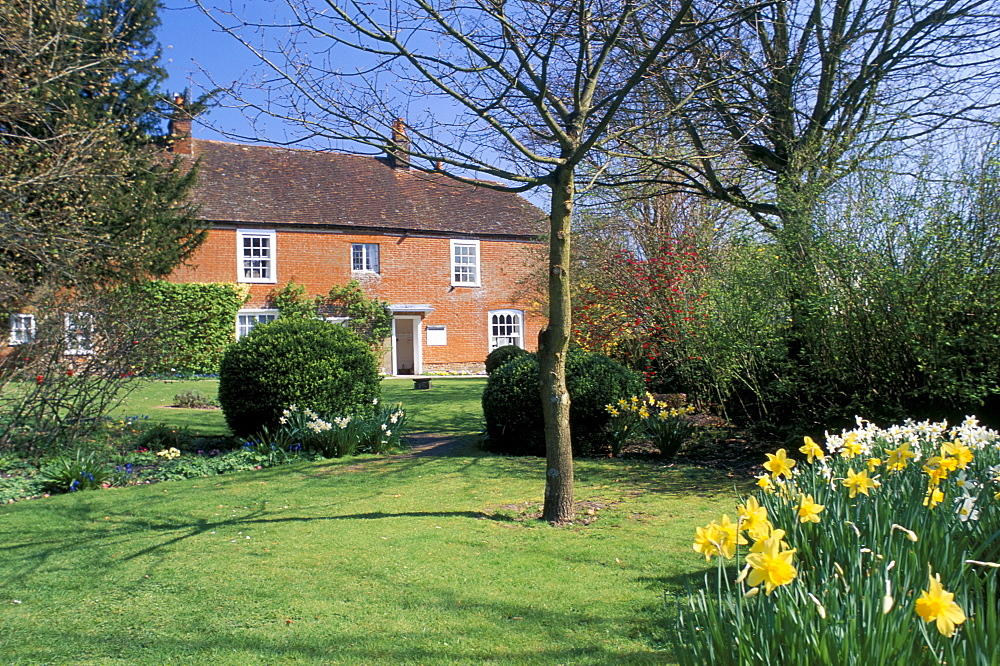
(797, 239)
(553, 343)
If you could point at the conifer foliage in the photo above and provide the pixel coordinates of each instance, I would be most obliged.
(86, 193)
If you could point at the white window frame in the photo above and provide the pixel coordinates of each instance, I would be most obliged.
(22, 329)
(246, 320)
(365, 258)
(464, 262)
(501, 338)
(79, 328)
(243, 258)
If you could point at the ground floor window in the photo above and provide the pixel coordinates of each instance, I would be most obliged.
(22, 329)
(79, 333)
(246, 320)
(506, 328)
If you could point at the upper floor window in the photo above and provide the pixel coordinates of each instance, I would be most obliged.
(22, 329)
(465, 263)
(247, 320)
(506, 328)
(364, 257)
(255, 255)
(79, 333)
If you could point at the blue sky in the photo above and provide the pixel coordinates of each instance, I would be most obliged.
(191, 44)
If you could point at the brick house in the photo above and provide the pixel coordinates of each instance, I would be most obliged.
(453, 260)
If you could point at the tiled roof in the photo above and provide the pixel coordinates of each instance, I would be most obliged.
(277, 186)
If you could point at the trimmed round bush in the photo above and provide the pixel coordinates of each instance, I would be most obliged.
(513, 409)
(501, 355)
(304, 362)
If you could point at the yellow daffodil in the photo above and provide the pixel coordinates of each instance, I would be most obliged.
(706, 541)
(773, 533)
(938, 605)
(947, 463)
(764, 481)
(858, 482)
(779, 464)
(770, 565)
(896, 461)
(934, 497)
(851, 447)
(811, 450)
(808, 510)
(718, 538)
(961, 453)
(730, 537)
(873, 463)
(753, 519)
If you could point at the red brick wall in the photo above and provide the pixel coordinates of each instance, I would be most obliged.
(413, 270)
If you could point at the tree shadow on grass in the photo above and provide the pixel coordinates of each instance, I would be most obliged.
(539, 636)
(122, 528)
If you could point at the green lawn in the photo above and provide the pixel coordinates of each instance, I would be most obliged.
(395, 560)
(452, 405)
(372, 561)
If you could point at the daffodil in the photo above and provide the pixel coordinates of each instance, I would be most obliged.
(896, 461)
(873, 463)
(858, 482)
(718, 538)
(773, 533)
(770, 565)
(938, 605)
(967, 509)
(965, 484)
(809, 510)
(811, 450)
(961, 453)
(934, 497)
(779, 464)
(764, 481)
(851, 446)
(707, 540)
(730, 537)
(753, 519)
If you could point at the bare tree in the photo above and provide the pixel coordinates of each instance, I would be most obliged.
(798, 93)
(515, 90)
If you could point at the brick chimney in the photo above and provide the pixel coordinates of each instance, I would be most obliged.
(179, 128)
(400, 143)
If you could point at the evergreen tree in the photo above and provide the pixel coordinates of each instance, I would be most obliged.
(87, 195)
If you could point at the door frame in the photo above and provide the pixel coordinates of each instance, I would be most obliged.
(418, 366)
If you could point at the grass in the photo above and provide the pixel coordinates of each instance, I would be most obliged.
(452, 405)
(395, 560)
(402, 560)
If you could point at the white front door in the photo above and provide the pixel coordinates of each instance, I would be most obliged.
(406, 345)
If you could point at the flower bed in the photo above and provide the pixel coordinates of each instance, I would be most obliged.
(882, 548)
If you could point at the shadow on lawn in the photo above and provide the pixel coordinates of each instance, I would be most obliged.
(540, 636)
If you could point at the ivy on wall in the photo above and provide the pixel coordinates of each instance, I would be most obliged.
(199, 318)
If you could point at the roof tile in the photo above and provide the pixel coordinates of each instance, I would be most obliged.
(275, 186)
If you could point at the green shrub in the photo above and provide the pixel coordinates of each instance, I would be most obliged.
(513, 411)
(501, 356)
(202, 317)
(193, 400)
(81, 471)
(304, 362)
